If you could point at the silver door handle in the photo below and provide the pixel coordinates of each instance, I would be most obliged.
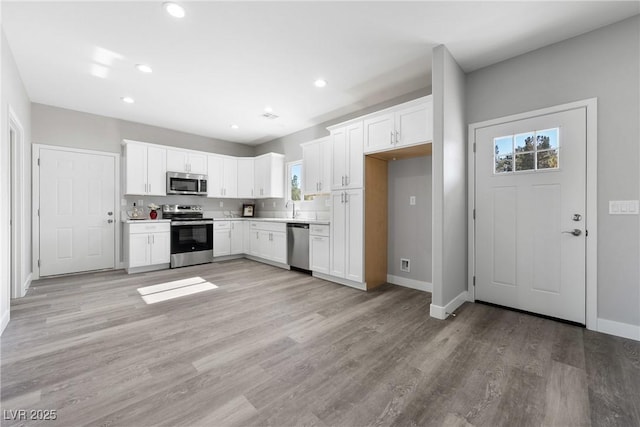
(397, 137)
(346, 180)
(391, 137)
(153, 239)
(575, 232)
(346, 198)
(343, 180)
(341, 197)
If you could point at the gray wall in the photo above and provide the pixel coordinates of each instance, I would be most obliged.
(409, 229)
(604, 63)
(449, 179)
(13, 95)
(290, 145)
(68, 128)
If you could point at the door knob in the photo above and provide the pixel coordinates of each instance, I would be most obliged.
(110, 221)
(575, 232)
(109, 213)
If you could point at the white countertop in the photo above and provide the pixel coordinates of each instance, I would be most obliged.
(297, 220)
(142, 221)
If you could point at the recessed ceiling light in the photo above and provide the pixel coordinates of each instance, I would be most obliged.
(320, 83)
(268, 109)
(128, 99)
(235, 127)
(174, 9)
(144, 68)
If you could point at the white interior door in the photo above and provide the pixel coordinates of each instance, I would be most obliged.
(77, 215)
(530, 202)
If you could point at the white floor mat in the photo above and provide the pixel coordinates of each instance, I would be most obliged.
(175, 289)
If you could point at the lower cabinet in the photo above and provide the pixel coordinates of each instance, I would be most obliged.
(319, 248)
(228, 238)
(147, 244)
(268, 241)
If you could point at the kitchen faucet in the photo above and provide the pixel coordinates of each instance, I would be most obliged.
(293, 212)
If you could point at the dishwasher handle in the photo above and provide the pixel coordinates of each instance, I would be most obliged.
(294, 225)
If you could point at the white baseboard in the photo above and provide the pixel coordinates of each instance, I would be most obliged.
(4, 322)
(619, 329)
(340, 280)
(442, 313)
(410, 283)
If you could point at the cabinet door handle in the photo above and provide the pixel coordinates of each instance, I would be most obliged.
(346, 198)
(149, 188)
(346, 179)
(229, 234)
(397, 137)
(391, 137)
(341, 197)
(153, 239)
(343, 180)
(320, 184)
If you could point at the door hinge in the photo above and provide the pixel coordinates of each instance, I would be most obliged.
(38, 212)
(38, 263)
(38, 161)
(586, 233)
(474, 214)
(474, 281)
(474, 147)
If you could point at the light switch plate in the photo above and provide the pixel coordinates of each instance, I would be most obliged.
(412, 200)
(221, 203)
(624, 207)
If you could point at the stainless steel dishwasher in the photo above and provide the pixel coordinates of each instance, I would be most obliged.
(298, 246)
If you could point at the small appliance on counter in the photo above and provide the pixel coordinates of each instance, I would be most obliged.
(191, 235)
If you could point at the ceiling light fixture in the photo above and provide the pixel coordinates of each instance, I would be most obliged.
(234, 127)
(128, 100)
(174, 9)
(268, 109)
(143, 68)
(320, 83)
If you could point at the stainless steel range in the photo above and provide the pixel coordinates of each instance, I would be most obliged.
(191, 235)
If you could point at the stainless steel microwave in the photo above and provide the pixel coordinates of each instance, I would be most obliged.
(186, 183)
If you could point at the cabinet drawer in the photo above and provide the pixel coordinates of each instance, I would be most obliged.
(221, 225)
(319, 230)
(149, 228)
(269, 226)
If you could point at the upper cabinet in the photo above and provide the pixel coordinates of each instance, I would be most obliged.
(316, 166)
(222, 176)
(347, 156)
(406, 124)
(145, 169)
(269, 176)
(186, 161)
(246, 180)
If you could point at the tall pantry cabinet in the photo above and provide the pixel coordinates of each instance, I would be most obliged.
(347, 203)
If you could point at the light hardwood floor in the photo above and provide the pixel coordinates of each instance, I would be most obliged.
(277, 348)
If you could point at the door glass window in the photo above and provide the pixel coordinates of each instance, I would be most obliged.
(529, 151)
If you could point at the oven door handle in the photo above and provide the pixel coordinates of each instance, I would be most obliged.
(191, 222)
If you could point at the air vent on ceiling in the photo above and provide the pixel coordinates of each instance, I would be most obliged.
(270, 116)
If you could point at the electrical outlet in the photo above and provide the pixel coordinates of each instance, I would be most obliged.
(412, 200)
(140, 202)
(221, 203)
(404, 264)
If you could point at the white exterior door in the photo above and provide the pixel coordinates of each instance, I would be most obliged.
(77, 193)
(530, 202)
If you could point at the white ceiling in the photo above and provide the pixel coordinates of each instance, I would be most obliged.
(225, 61)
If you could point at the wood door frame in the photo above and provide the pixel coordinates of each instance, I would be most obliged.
(591, 217)
(117, 264)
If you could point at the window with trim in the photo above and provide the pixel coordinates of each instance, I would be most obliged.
(529, 151)
(294, 190)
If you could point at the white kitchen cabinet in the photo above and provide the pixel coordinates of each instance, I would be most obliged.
(403, 125)
(145, 169)
(237, 237)
(246, 180)
(319, 260)
(147, 244)
(221, 238)
(269, 241)
(228, 238)
(316, 166)
(246, 237)
(186, 161)
(222, 176)
(347, 234)
(347, 156)
(269, 176)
